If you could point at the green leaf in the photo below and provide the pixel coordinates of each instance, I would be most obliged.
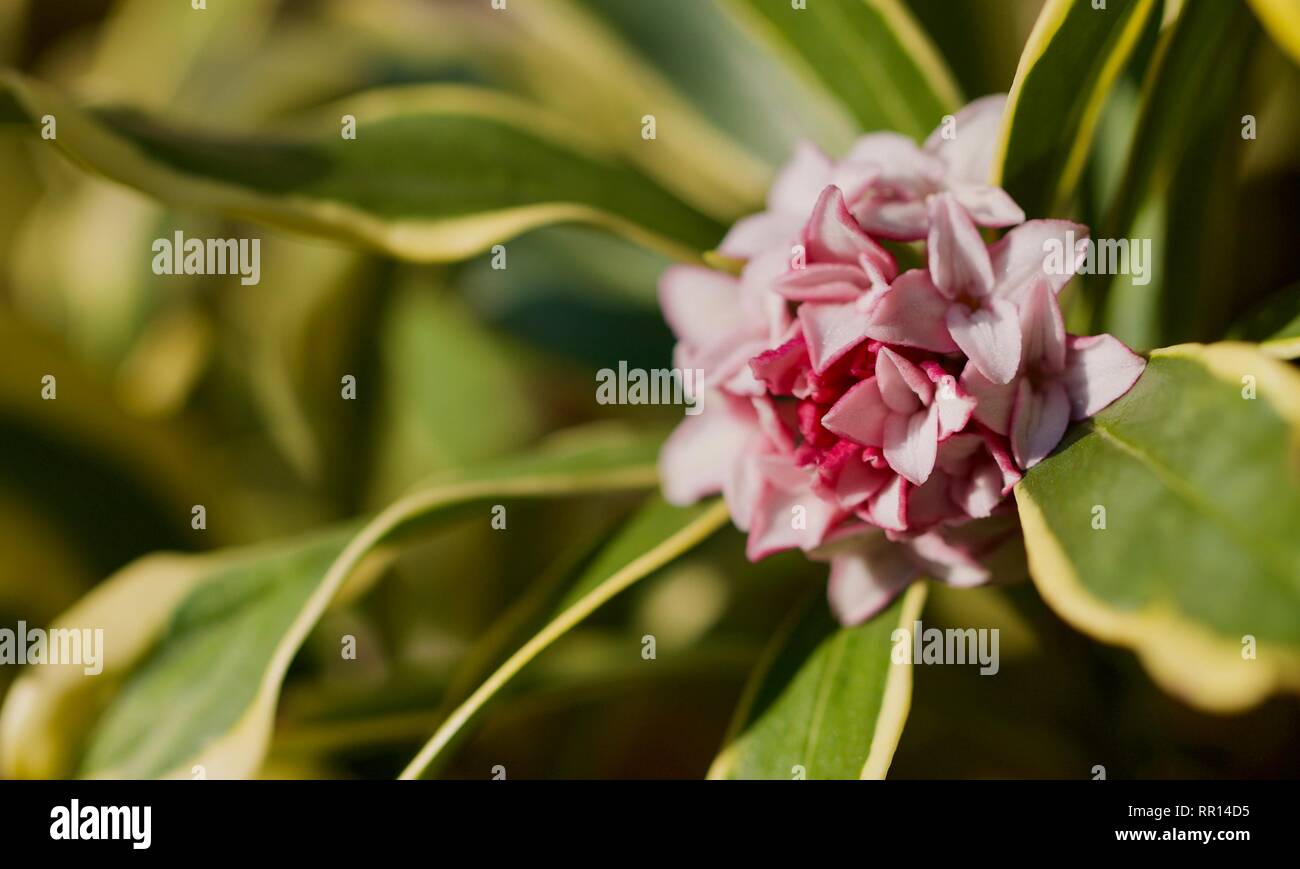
(1180, 187)
(1274, 324)
(1281, 18)
(435, 173)
(201, 644)
(1069, 64)
(827, 702)
(655, 536)
(869, 53)
(723, 74)
(1196, 472)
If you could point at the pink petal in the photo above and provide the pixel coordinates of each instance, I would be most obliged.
(1038, 420)
(969, 154)
(1042, 331)
(832, 235)
(898, 160)
(780, 367)
(978, 491)
(743, 483)
(773, 527)
(993, 401)
(824, 282)
(845, 477)
(1098, 370)
(699, 303)
(912, 312)
(958, 451)
(902, 220)
(948, 562)
(989, 336)
(888, 507)
(930, 504)
(911, 443)
(903, 385)
(956, 405)
(999, 449)
(866, 580)
(1022, 255)
(698, 455)
(988, 206)
(760, 232)
(801, 180)
(831, 331)
(859, 415)
(959, 262)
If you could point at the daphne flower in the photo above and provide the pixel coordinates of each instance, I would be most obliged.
(879, 421)
(900, 410)
(892, 204)
(1061, 377)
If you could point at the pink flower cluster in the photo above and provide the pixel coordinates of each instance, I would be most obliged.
(869, 417)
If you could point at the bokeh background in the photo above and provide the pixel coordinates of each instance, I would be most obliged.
(180, 390)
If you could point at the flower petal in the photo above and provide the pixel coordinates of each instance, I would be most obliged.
(911, 443)
(988, 205)
(698, 455)
(756, 233)
(1098, 370)
(1038, 420)
(948, 562)
(959, 262)
(898, 159)
(1024, 254)
(1042, 331)
(824, 282)
(993, 401)
(831, 331)
(956, 405)
(801, 180)
(833, 235)
(979, 490)
(699, 303)
(859, 415)
(968, 155)
(780, 367)
(865, 580)
(989, 336)
(888, 507)
(786, 519)
(912, 313)
(903, 385)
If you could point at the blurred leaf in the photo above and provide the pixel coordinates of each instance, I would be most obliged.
(652, 538)
(1072, 59)
(718, 71)
(1198, 480)
(111, 477)
(827, 702)
(869, 53)
(452, 392)
(1274, 324)
(1281, 18)
(227, 627)
(1180, 185)
(435, 173)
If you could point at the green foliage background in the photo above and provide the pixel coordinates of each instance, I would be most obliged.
(175, 391)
